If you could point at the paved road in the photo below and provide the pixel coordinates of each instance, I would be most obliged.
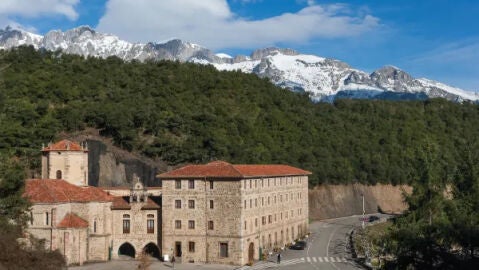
(327, 250)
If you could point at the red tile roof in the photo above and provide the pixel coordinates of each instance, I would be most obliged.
(121, 203)
(60, 191)
(72, 221)
(222, 169)
(64, 145)
(150, 204)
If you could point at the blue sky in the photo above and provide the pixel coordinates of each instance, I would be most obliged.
(437, 39)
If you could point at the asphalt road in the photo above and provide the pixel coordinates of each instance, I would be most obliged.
(328, 248)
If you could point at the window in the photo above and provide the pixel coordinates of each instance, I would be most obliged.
(47, 219)
(263, 220)
(211, 225)
(244, 204)
(177, 224)
(94, 226)
(191, 224)
(59, 174)
(274, 199)
(212, 205)
(256, 183)
(244, 182)
(256, 202)
(191, 184)
(245, 225)
(178, 204)
(191, 246)
(262, 183)
(223, 250)
(269, 201)
(270, 219)
(262, 201)
(178, 184)
(250, 183)
(31, 218)
(126, 223)
(256, 222)
(211, 184)
(150, 223)
(191, 204)
(250, 203)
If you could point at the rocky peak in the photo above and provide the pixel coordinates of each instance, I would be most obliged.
(262, 53)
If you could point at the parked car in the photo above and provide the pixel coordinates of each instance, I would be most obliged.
(298, 245)
(373, 218)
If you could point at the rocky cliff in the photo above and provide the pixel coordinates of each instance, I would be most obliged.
(330, 201)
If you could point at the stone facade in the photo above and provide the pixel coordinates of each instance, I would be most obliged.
(212, 213)
(235, 216)
(66, 160)
(86, 223)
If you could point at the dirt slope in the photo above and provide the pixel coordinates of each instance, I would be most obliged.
(330, 201)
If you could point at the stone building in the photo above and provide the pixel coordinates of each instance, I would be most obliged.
(213, 213)
(88, 223)
(226, 213)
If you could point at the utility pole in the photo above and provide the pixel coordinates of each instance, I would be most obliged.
(362, 195)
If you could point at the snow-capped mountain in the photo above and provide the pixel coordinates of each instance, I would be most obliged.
(324, 79)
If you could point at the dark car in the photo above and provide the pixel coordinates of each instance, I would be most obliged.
(373, 218)
(298, 245)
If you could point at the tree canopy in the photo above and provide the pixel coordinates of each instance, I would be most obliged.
(190, 113)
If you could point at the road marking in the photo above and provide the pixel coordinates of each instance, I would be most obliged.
(320, 259)
(332, 259)
(314, 259)
(338, 259)
(326, 259)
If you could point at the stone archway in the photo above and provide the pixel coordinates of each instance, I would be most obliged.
(126, 249)
(152, 250)
(251, 253)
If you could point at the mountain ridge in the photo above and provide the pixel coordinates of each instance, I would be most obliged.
(324, 79)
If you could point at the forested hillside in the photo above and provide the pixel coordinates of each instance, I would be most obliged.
(183, 113)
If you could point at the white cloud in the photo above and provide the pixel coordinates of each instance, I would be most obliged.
(35, 9)
(211, 23)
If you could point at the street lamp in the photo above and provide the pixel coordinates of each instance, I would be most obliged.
(362, 195)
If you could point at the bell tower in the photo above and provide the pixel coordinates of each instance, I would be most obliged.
(66, 160)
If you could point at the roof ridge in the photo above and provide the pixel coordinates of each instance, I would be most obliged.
(232, 165)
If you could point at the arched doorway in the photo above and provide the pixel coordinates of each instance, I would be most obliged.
(152, 250)
(251, 254)
(127, 249)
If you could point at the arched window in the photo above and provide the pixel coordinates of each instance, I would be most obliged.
(150, 223)
(59, 174)
(126, 223)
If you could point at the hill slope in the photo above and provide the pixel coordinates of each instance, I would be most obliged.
(183, 112)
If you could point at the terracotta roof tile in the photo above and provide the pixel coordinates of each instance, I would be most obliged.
(222, 169)
(64, 145)
(150, 204)
(72, 221)
(60, 191)
(120, 203)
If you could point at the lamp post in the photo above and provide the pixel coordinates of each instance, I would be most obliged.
(362, 195)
